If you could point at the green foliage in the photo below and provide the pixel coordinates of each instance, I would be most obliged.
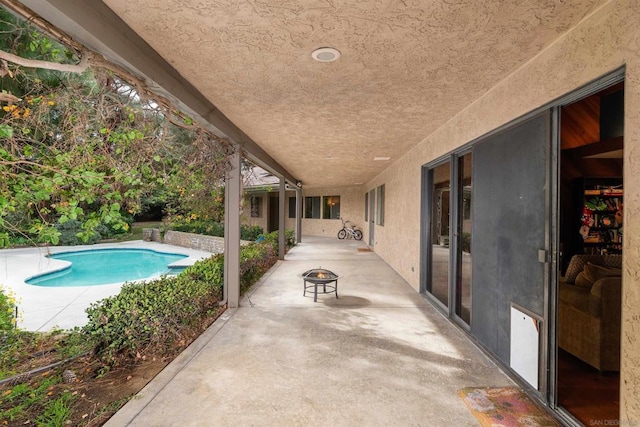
(55, 414)
(89, 148)
(250, 232)
(163, 315)
(272, 239)
(193, 224)
(71, 234)
(24, 397)
(255, 260)
(155, 317)
(7, 310)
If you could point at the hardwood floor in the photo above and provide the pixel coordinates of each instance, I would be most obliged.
(590, 396)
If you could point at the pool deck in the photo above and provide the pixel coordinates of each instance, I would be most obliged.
(44, 309)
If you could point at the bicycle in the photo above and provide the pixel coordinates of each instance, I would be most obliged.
(349, 230)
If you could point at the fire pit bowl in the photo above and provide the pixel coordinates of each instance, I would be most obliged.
(320, 276)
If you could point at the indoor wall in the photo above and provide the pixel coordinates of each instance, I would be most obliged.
(604, 41)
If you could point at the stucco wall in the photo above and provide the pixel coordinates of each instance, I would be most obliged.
(246, 217)
(603, 42)
(351, 208)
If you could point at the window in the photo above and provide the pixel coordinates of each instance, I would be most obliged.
(292, 207)
(331, 207)
(366, 207)
(312, 207)
(380, 205)
(256, 207)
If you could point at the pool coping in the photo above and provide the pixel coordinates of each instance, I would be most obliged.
(47, 308)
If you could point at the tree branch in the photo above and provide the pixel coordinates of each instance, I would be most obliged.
(47, 65)
(7, 97)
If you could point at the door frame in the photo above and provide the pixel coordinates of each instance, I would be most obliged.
(372, 216)
(456, 239)
(547, 389)
(426, 240)
(592, 88)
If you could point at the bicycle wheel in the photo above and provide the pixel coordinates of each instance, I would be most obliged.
(342, 234)
(357, 234)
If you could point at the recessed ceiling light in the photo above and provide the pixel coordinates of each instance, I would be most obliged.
(379, 159)
(325, 54)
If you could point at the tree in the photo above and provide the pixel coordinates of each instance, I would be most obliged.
(83, 140)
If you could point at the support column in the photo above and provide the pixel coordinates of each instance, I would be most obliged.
(233, 187)
(298, 215)
(281, 200)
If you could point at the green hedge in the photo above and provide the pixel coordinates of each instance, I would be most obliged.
(212, 228)
(255, 260)
(162, 316)
(7, 310)
(272, 238)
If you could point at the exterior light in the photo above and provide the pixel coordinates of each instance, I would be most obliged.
(325, 54)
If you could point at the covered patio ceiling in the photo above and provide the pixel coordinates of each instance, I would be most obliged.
(406, 67)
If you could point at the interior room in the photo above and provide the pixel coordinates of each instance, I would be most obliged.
(591, 230)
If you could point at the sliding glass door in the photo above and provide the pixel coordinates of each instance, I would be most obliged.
(447, 228)
(439, 218)
(463, 236)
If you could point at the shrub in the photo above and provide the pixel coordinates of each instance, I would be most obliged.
(250, 232)
(155, 317)
(162, 316)
(255, 260)
(69, 232)
(198, 226)
(272, 239)
(212, 228)
(7, 310)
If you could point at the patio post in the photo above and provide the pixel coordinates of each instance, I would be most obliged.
(298, 215)
(233, 186)
(281, 199)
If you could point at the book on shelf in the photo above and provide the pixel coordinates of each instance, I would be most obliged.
(604, 192)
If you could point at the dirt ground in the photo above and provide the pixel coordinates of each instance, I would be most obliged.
(96, 393)
(98, 398)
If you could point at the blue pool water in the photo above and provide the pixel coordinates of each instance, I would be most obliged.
(106, 266)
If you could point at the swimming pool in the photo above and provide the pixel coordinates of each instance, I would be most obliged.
(106, 266)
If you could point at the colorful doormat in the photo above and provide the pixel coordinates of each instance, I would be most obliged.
(504, 407)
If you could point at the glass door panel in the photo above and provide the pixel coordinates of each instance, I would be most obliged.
(438, 283)
(464, 233)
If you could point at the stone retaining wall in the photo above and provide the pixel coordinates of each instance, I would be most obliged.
(201, 242)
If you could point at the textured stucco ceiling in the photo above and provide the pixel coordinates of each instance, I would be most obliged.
(406, 67)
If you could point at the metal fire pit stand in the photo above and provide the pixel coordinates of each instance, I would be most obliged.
(329, 282)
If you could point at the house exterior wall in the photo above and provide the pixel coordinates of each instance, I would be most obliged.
(604, 41)
(351, 208)
(246, 217)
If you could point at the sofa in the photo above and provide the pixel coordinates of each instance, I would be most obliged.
(589, 310)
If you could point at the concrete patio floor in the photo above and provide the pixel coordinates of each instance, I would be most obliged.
(378, 355)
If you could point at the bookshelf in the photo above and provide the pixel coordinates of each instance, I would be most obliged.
(602, 211)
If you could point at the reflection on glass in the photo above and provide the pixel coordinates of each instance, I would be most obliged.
(463, 279)
(438, 285)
